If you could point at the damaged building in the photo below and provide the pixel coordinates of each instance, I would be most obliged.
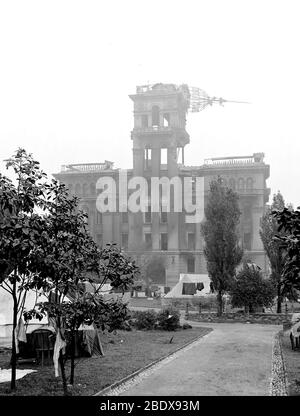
(159, 138)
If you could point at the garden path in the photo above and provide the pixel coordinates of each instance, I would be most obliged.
(232, 360)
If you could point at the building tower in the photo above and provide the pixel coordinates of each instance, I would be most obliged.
(159, 137)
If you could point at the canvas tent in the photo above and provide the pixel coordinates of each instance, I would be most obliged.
(107, 291)
(176, 292)
(6, 312)
(6, 307)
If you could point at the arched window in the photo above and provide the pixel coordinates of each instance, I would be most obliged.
(84, 189)
(155, 115)
(232, 183)
(92, 189)
(241, 184)
(78, 189)
(249, 183)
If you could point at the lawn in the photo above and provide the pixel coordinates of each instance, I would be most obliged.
(124, 353)
(292, 364)
(145, 302)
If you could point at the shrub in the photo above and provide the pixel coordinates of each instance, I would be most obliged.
(168, 319)
(126, 326)
(251, 290)
(145, 319)
(186, 326)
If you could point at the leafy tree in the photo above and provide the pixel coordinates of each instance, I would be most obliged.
(251, 290)
(289, 222)
(273, 247)
(66, 257)
(20, 230)
(219, 229)
(155, 270)
(116, 268)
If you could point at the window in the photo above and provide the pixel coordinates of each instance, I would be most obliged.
(77, 189)
(125, 241)
(148, 241)
(144, 120)
(147, 158)
(232, 183)
(179, 155)
(163, 158)
(191, 265)
(247, 212)
(194, 190)
(249, 183)
(247, 241)
(164, 241)
(125, 217)
(241, 184)
(92, 189)
(99, 217)
(163, 214)
(191, 241)
(84, 189)
(163, 217)
(166, 119)
(99, 240)
(148, 217)
(155, 115)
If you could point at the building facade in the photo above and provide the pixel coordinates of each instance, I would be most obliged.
(159, 138)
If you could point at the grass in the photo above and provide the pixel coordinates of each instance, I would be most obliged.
(125, 352)
(145, 303)
(292, 364)
(207, 305)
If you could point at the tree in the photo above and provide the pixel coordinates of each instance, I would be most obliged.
(219, 229)
(66, 258)
(273, 247)
(251, 290)
(20, 230)
(289, 222)
(155, 270)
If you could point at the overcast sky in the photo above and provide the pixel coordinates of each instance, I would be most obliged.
(67, 68)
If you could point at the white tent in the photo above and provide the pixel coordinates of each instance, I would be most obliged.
(6, 312)
(176, 292)
(107, 292)
(6, 308)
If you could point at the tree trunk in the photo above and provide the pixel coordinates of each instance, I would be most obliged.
(63, 373)
(279, 299)
(72, 357)
(14, 346)
(220, 303)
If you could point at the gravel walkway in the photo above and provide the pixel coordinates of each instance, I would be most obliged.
(278, 385)
(144, 374)
(233, 360)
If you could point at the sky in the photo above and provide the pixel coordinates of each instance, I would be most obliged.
(67, 69)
